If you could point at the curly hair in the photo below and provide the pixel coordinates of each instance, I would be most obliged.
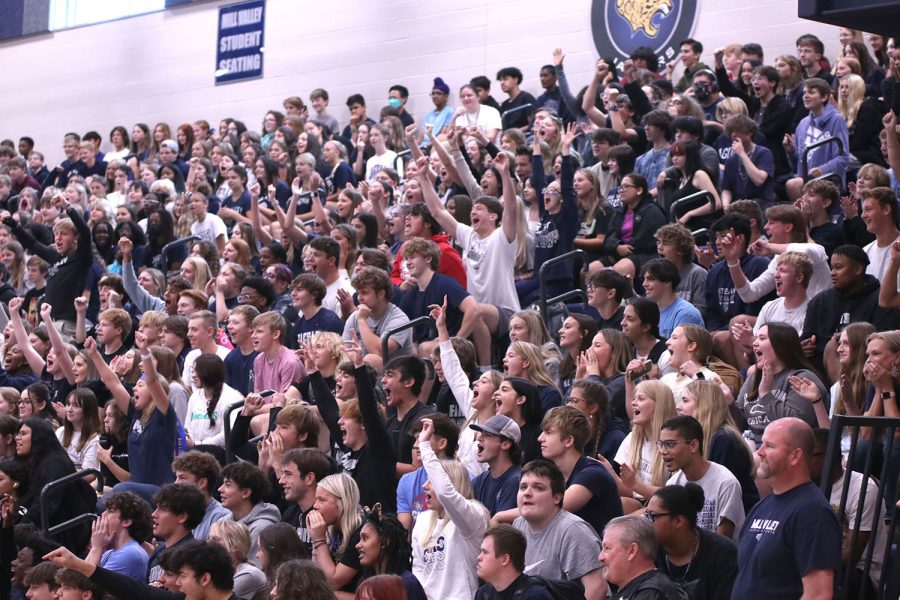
(134, 509)
(396, 552)
(302, 579)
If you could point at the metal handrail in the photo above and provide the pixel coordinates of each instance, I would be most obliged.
(804, 160)
(164, 253)
(513, 111)
(673, 208)
(42, 501)
(226, 426)
(386, 336)
(543, 302)
(400, 156)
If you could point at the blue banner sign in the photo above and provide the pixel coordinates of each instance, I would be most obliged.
(240, 43)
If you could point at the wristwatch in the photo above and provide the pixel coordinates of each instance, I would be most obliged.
(888, 395)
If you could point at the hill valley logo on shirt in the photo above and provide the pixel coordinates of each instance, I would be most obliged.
(621, 26)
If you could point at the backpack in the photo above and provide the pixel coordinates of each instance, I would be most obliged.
(559, 589)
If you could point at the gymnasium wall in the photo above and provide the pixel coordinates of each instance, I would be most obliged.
(159, 67)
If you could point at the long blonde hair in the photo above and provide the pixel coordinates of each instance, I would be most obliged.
(202, 273)
(462, 484)
(857, 336)
(537, 371)
(663, 409)
(345, 491)
(711, 411)
(849, 108)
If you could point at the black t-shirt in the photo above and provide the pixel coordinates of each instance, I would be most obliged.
(399, 430)
(710, 575)
(521, 117)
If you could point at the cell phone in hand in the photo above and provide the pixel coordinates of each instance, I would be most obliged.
(645, 368)
(267, 393)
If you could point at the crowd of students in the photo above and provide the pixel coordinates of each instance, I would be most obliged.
(307, 362)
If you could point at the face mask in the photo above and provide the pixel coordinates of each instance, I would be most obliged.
(394, 102)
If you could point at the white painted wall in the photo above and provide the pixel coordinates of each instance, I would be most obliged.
(159, 67)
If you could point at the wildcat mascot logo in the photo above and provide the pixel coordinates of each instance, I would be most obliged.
(620, 27)
(640, 13)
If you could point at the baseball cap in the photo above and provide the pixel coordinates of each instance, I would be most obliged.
(500, 425)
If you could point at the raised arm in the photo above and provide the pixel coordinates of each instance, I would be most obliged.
(562, 81)
(256, 220)
(151, 377)
(108, 376)
(456, 378)
(441, 214)
(58, 344)
(35, 360)
(413, 139)
(446, 159)
(140, 297)
(469, 517)
(593, 113)
(510, 221)
(893, 142)
(888, 296)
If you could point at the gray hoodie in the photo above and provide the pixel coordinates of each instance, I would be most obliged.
(260, 516)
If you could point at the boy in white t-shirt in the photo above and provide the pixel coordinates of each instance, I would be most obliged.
(208, 226)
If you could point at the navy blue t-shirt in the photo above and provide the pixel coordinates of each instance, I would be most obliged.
(241, 205)
(304, 329)
(736, 180)
(785, 537)
(239, 370)
(415, 303)
(497, 494)
(151, 446)
(605, 504)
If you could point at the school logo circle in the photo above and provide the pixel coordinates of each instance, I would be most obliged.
(620, 27)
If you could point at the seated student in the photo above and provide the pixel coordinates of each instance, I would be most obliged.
(786, 232)
(112, 329)
(419, 223)
(722, 441)
(524, 359)
(817, 202)
(702, 561)
(324, 256)
(207, 226)
(871, 519)
(118, 535)
(40, 581)
(375, 315)
(853, 298)
(769, 393)
(201, 334)
(179, 508)
(201, 470)
(498, 447)
(249, 582)
(605, 291)
(675, 243)
(307, 293)
(242, 491)
(211, 397)
(74, 584)
(384, 549)
(823, 121)
(681, 445)
(301, 470)
(334, 525)
(201, 570)
(661, 278)
(411, 496)
(560, 545)
(590, 490)
(501, 565)
(792, 275)
(749, 172)
(879, 209)
(722, 300)
(690, 347)
(239, 362)
(432, 288)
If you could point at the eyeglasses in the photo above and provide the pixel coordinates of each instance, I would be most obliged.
(668, 444)
(246, 297)
(573, 400)
(627, 186)
(652, 516)
(552, 193)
